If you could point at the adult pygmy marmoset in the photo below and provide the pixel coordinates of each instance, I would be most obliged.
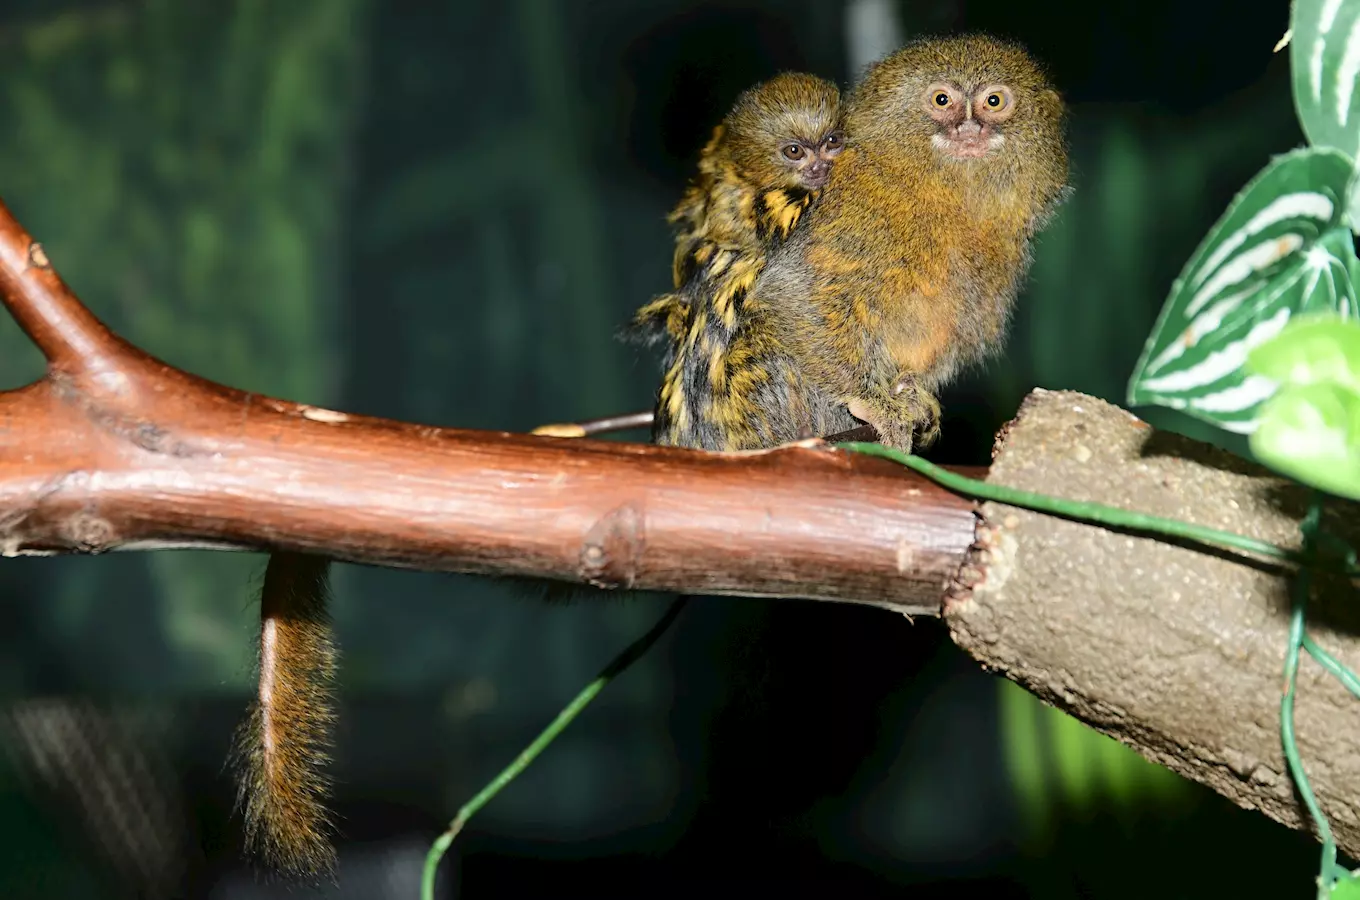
(907, 268)
(764, 167)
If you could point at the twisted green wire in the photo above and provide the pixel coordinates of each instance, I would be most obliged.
(631, 654)
(1097, 513)
(1073, 509)
(1327, 875)
(1306, 558)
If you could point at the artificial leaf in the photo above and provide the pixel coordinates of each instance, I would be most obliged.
(1313, 349)
(1324, 55)
(1279, 249)
(1312, 434)
(1352, 215)
(1347, 887)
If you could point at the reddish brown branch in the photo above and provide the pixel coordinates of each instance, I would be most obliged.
(116, 450)
(1172, 650)
(65, 331)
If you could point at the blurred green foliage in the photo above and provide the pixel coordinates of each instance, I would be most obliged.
(186, 165)
(195, 171)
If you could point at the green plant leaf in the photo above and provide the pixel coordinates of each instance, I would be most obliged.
(1279, 249)
(1324, 55)
(1353, 204)
(1312, 433)
(1347, 887)
(1314, 349)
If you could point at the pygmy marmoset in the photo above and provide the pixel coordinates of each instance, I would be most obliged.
(765, 162)
(764, 167)
(907, 268)
(902, 272)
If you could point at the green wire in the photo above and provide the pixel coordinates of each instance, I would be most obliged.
(1335, 667)
(1327, 875)
(1084, 511)
(1072, 509)
(1306, 558)
(631, 654)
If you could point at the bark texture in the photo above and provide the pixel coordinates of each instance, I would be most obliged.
(1177, 651)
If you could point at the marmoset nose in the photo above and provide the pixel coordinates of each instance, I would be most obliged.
(969, 128)
(818, 169)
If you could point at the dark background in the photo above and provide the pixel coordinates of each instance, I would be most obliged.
(440, 212)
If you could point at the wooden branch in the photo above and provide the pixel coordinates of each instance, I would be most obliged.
(114, 449)
(1176, 652)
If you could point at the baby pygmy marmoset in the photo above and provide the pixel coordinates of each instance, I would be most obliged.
(907, 268)
(764, 167)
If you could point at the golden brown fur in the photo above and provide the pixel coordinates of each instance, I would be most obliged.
(907, 268)
(748, 197)
(284, 744)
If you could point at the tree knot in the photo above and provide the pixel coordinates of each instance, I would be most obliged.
(612, 549)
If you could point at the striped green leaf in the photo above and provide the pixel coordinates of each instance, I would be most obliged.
(1281, 248)
(1324, 55)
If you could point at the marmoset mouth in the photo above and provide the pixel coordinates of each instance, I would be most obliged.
(968, 146)
(814, 180)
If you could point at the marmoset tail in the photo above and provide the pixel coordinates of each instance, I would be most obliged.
(283, 746)
(907, 269)
(765, 163)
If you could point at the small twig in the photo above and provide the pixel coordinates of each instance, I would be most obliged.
(67, 333)
(631, 654)
(858, 434)
(592, 427)
(629, 421)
